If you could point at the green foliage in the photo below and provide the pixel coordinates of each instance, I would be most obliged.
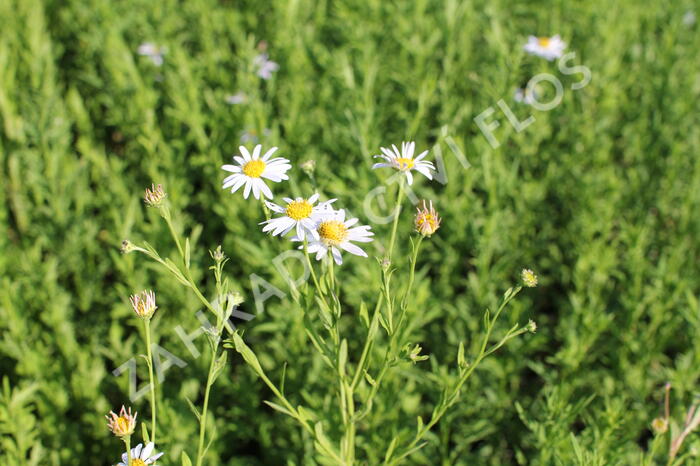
(599, 196)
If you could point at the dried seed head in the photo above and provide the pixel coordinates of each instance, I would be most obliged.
(127, 247)
(154, 196)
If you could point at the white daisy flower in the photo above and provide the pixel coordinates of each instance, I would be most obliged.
(300, 214)
(251, 169)
(152, 51)
(141, 456)
(548, 48)
(335, 233)
(237, 98)
(264, 66)
(404, 161)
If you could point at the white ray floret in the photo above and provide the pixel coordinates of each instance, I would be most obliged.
(548, 48)
(141, 455)
(404, 161)
(336, 234)
(299, 214)
(251, 168)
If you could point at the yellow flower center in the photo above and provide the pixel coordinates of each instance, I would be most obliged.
(137, 462)
(405, 163)
(254, 168)
(121, 426)
(299, 210)
(426, 220)
(544, 41)
(332, 232)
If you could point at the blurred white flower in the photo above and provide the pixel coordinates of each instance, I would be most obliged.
(152, 51)
(141, 456)
(404, 161)
(250, 135)
(548, 48)
(251, 169)
(264, 66)
(689, 18)
(335, 234)
(525, 96)
(300, 214)
(237, 98)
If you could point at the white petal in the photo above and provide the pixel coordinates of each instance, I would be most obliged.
(240, 182)
(147, 450)
(256, 189)
(409, 178)
(313, 198)
(352, 249)
(248, 186)
(420, 157)
(265, 190)
(337, 256)
(231, 168)
(256, 151)
(268, 154)
(244, 153)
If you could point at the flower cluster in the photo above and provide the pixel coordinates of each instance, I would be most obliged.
(323, 229)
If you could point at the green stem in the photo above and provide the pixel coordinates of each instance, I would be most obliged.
(266, 211)
(147, 328)
(464, 377)
(165, 212)
(313, 273)
(203, 421)
(127, 441)
(399, 198)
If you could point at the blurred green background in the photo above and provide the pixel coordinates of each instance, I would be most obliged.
(600, 196)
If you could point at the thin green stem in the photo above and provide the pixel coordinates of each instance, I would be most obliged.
(313, 273)
(127, 442)
(205, 407)
(165, 212)
(399, 198)
(147, 328)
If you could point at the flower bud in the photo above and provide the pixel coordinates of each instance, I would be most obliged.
(154, 196)
(529, 278)
(122, 425)
(427, 220)
(144, 304)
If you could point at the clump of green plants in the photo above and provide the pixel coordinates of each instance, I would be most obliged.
(319, 229)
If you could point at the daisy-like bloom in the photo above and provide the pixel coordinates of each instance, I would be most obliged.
(152, 51)
(548, 48)
(264, 67)
(141, 456)
(335, 234)
(251, 135)
(525, 96)
(529, 278)
(427, 220)
(122, 424)
(154, 196)
(300, 214)
(403, 160)
(144, 304)
(237, 98)
(251, 169)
